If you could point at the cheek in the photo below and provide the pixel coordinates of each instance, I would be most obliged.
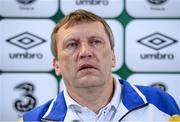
(66, 61)
(107, 53)
(106, 57)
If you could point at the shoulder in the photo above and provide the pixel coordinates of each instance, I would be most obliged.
(54, 109)
(37, 113)
(162, 100)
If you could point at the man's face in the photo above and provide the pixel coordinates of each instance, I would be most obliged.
(84, 56)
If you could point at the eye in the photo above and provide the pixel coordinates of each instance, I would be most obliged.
(72, 45)
(96, 42)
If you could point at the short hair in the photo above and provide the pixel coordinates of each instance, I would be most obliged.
(76, 17)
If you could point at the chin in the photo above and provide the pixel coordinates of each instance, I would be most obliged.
(90, 82)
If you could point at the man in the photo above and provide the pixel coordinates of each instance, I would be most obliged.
(83, 47)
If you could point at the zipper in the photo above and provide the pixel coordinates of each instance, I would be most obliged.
(139, 107)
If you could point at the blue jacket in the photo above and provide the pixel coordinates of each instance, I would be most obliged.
(131, 100)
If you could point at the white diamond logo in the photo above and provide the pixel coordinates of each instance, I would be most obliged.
(26, 40)
(157, 41)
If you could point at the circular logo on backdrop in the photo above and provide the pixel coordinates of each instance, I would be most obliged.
(157, 2)
(159, 85)
(25, 1)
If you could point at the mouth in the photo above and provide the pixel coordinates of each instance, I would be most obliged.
(86, 67)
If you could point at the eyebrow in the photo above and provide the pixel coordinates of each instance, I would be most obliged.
(75, 38)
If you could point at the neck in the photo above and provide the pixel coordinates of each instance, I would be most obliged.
(93, 98)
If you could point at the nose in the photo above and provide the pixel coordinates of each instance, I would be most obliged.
(85, 51)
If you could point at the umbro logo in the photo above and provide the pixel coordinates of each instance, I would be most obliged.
(92, 2)
(26, 40)
(157, 41)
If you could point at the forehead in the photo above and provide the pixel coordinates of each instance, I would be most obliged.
(83, 28)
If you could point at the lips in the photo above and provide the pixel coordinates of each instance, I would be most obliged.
(86, 66)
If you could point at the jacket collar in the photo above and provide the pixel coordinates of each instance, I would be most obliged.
(58, 109)
(132, 98)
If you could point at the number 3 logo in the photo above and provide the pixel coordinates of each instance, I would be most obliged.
(28, 101)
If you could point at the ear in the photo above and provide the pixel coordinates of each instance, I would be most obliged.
(56, 67)
(113, 59)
